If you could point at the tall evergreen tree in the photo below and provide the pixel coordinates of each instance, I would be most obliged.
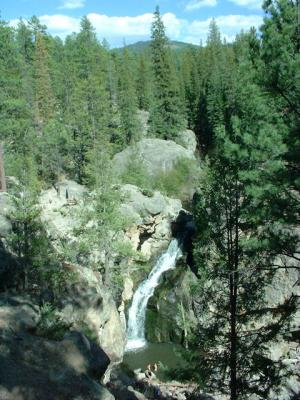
(28, 237)
(144, 84)
(101, 218)
(14, 111)
(215, 97)
(87, 115)
(166, 114)
(243, 211)
(191, 81)
(281, 71)
(44, 98)
(130, 128)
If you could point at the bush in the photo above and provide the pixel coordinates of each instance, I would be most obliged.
(87, 331)
(173, 183)
(51, 325)
(136, 174)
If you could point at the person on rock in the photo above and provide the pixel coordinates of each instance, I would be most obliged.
(151, 368)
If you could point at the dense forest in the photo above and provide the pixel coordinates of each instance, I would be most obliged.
(68, 107)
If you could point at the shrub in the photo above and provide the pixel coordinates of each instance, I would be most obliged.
(136, 174)
(51, 325)
(173, 183)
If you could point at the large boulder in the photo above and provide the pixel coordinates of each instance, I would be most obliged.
(35, 368)
(18, 314)
(170, 313)
(188, 140)
(143, 118)
(150, 217)
(57, 206)
(5, 208)
(87, 304)
(10, 269)
(155, 155)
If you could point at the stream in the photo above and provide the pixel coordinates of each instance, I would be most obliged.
(166, 354)
(139, 353)
(137, 312)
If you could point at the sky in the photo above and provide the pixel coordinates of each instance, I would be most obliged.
(129, 21)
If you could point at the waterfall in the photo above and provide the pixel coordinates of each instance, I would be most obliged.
(137, 312)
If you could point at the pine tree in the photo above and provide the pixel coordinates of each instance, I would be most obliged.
(88, 112)
(14, 111)
(130, 129)
(28, 239)
(281, 71)
(215, 97)
(166, 115)
(144, 84)
(44, 99)
(243, 210)
(190, 78)
(101, 218)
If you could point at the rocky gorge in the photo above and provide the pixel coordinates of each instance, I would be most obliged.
(84, 363)
(93, 322)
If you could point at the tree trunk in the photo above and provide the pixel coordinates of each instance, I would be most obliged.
(233, 338)
(2, 174)
(233, 297)
(107, 272)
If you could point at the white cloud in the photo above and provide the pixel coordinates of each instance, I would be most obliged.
(229, 25)
(251, 4)
(133, 26)
(116, 28)
(196, 4)
(72, 4)
(61, 25)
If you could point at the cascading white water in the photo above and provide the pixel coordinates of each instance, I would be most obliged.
(137, 312)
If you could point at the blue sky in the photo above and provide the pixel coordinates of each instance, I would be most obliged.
(130, 20)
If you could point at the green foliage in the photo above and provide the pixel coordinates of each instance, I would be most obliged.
(281, 72)
(51, 325)
(28, 239)
(67, 107)
(181, 177)
(136, 174)
(144, 84)
(130, 127)
(83, 327)
(166, 116)
(100, 217)
(242, 212)
(172, 183)
(57, 278)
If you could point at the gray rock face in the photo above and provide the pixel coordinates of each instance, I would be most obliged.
(87, 302)
(57, 206)
(170, 306)
(151, 219)
(188, 140)
(71, 190)
(143, 117)
(97, 360)
(18, 314)
(5, 226)
(156, 156)
(34, 368)
(5, 207)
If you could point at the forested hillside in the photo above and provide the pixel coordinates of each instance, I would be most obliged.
(74, 110)
(143, 46)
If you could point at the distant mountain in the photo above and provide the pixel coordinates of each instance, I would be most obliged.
(140, 47)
